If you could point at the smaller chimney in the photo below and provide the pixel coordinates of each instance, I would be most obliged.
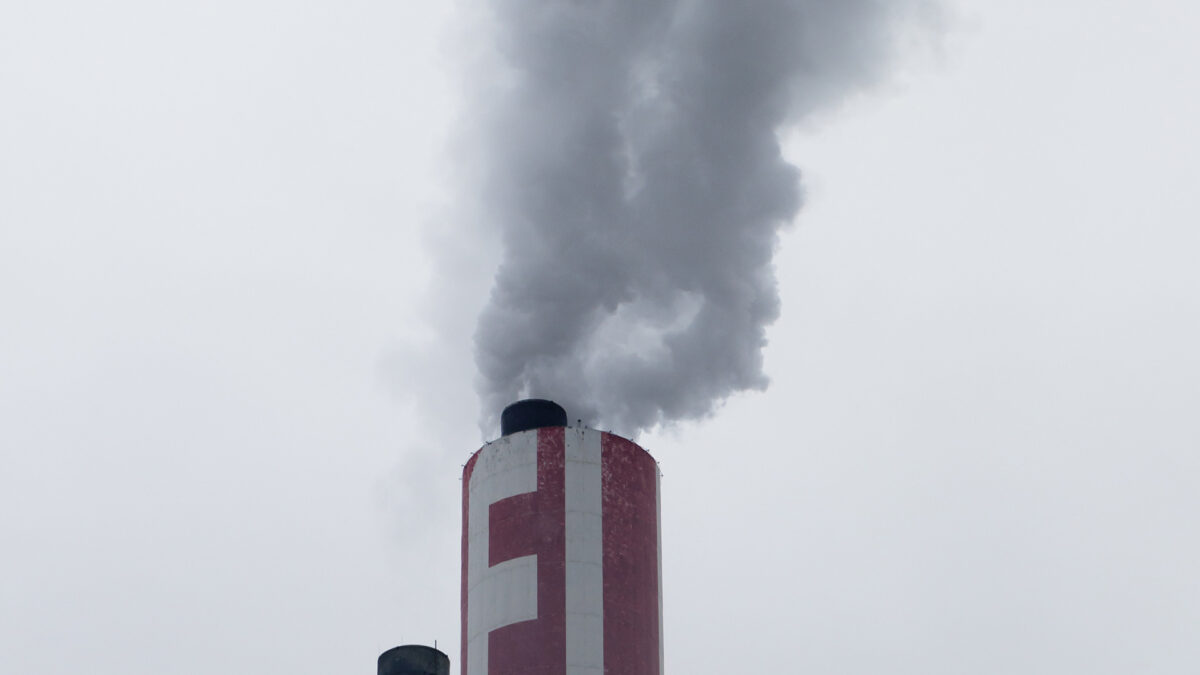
(414, 660)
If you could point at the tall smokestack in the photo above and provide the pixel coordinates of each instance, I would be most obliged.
(561, 555)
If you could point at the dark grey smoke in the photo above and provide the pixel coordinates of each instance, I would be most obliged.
(635, 174)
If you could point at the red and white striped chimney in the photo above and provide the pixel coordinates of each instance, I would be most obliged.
(561, 564)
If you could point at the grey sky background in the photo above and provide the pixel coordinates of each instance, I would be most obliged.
(236, 393)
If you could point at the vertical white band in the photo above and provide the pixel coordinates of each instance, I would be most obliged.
(505, 593)
(585, 551)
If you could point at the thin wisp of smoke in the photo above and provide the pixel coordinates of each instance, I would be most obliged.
(635, 177)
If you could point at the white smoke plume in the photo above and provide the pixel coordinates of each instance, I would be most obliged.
(634, 173)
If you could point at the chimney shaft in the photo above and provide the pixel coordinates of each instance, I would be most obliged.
(561, 560)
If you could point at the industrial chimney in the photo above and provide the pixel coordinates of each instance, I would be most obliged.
(561, 567)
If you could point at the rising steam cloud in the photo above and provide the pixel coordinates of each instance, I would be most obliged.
(636, 178)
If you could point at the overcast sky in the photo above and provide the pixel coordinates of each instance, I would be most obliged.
(236, 392)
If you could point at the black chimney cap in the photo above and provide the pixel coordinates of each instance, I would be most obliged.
(414, 660)
(532, 413)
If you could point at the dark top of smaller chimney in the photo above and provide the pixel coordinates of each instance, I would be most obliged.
(414, 660)
(532, 413)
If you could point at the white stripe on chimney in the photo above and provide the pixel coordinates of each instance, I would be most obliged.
(505, 593)
(585, 550)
